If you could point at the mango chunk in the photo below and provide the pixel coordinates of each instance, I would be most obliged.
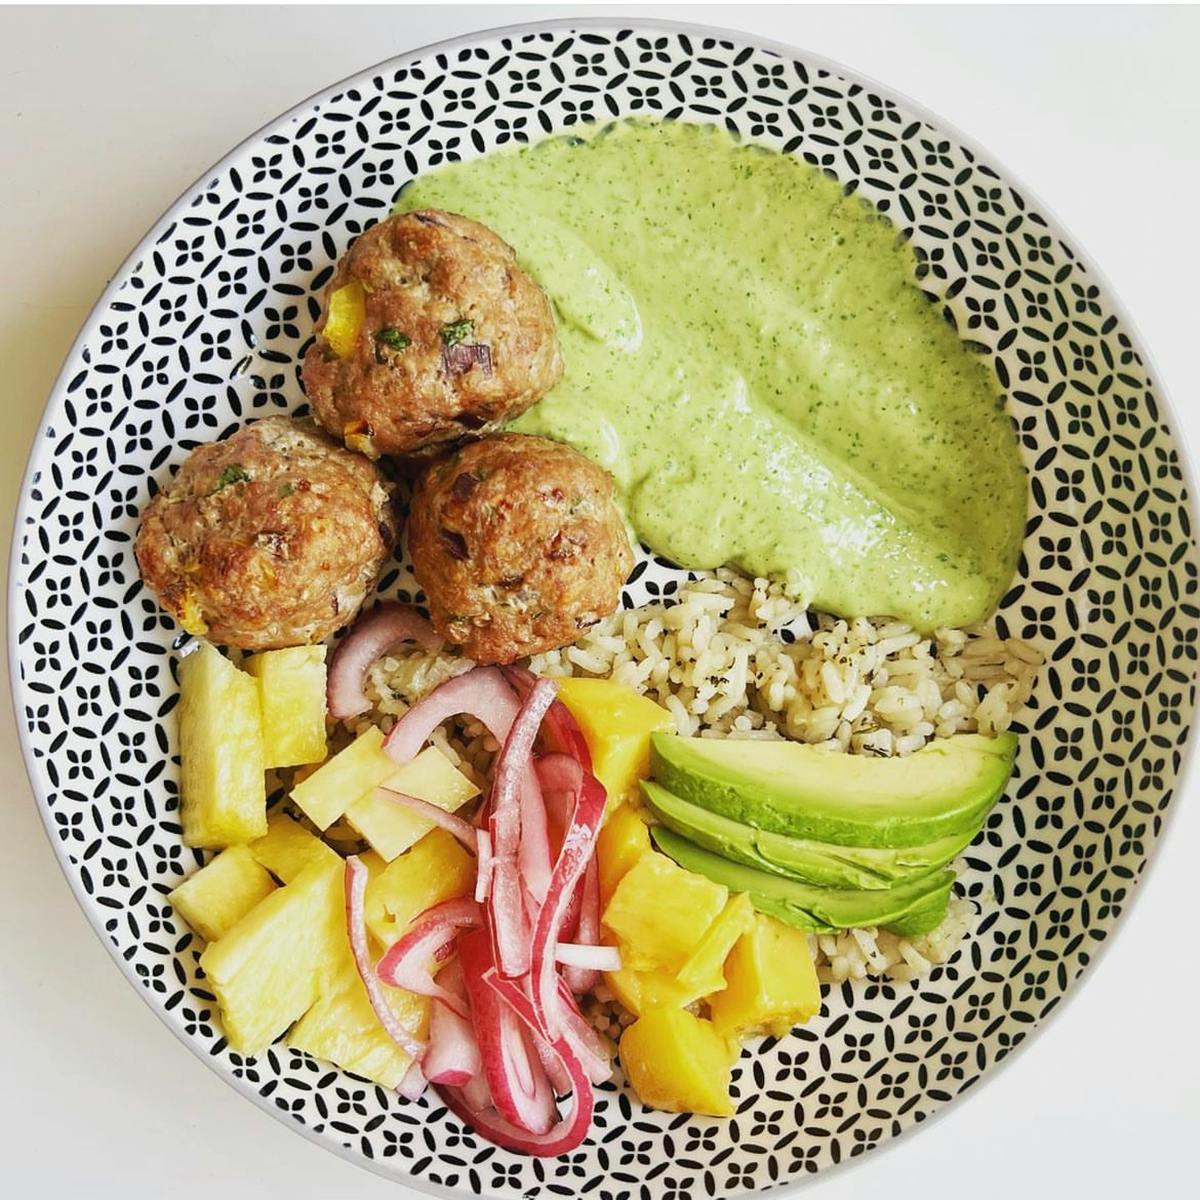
(640, 991)
(287, 848)
(616, 723)
(342, 1027)
(291, 695)
(678, 1062)
(771, 982)
(704, 970)
(623, 839)
(350, 774)
(223, 795)
(437, 868)
(222, 892)
(660, 912)
(390, 828)
(344, 318)
(269, 969)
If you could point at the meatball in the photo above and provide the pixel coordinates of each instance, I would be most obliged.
(450, 338)
(270, 538)
(519, 545)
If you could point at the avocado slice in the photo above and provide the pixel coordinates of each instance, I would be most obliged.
(945, 788)
(823, 864)
(910, 908)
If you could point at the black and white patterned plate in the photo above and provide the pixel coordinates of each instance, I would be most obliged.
(204, 329)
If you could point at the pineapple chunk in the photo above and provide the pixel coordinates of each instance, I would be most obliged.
(343, 1028)
(617, 724)
(223, 793)
(660, 912)
(437, 868)
(390, 828)
(335, 785)
(222, 892)
(703, 971)
(678, 1062)
(771, 982)
(291, 694)
(287, 848)
(622, 841)
(269, 969)
(345, 316)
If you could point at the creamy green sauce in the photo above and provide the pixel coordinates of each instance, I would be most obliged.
(747, 353)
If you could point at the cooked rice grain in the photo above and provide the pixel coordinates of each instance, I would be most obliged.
(733, 657)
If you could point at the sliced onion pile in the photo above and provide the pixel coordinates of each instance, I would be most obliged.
(503, 968)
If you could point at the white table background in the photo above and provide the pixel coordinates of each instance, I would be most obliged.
(106, 115)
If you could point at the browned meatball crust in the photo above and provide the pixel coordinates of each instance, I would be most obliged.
(519, 545)
(270, 538)
(456, 340)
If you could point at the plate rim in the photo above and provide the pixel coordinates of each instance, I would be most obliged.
(1169, 417)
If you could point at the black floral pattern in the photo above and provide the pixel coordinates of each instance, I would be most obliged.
(206, 330)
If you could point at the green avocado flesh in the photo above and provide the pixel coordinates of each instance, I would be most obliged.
(909, 908)
(746, 350)
(823, 864)
(944, 789)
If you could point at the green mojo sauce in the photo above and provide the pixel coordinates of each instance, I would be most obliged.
(747, 353)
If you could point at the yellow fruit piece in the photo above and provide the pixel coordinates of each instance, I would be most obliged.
(703, 971)
(287, 848)
(389, 827)
(223, 793)
(269, 969)
(437, 868)
(335, 785)
(659, 913)
(640, 991)
(291, 694)
(222, 892)
(623, 839)
(191, 618)
(771, 982)
(617, 724)
(678, 1062)
(344, 321)
(342, 1027)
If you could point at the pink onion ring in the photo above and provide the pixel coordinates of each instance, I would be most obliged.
(453, 1055)
(583, 1037)
(431, 939)
(560, 731)
(587, 956)
(508, 922)
(483, 864)
(561, 777)
(578, 849)
(515, 758)
(570, 1131)
(414, 1083)
(463, 830)
(372, 635)
(560, 1081)
(517, 823)
(355, 883)
(587, 933)
(477, 1094)
(481, 692)
(519, 1087)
